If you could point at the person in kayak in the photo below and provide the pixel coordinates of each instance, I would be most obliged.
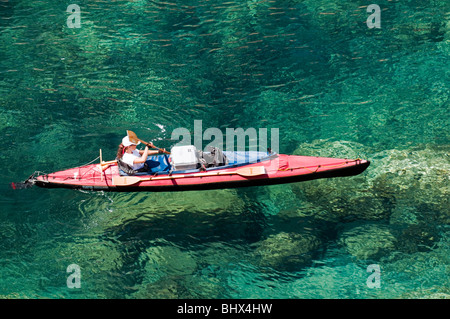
(134, 158)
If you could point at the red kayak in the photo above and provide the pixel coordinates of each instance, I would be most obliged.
(240, 171)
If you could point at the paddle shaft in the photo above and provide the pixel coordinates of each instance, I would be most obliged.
(151, 145)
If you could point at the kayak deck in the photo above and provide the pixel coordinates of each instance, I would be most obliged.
(274, 169)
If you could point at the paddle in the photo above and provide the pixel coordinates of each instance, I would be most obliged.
(245, 171)
(133, 138)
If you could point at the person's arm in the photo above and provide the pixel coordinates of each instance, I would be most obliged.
(153, 152)
(143, 157)
(149, 152)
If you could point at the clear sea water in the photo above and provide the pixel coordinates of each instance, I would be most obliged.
(313, 69)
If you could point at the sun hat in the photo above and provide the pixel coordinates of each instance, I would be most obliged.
(126, 142)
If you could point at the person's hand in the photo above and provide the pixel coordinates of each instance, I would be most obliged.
(151, 145)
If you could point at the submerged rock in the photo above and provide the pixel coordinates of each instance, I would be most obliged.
(168, 261)
(165, 288)
(408, 190)
(368, 241)
(165, 269)
(417, 177)
(285, 251)
(417, 238)
(344, 199)
(395, 182)
(428, 294)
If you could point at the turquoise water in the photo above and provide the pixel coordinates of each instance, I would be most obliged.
(313, 69)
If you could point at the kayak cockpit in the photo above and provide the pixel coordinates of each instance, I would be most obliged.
(164, 164)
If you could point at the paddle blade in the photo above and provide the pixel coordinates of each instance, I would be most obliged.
(251, 171)
(125, 180)
(132, 137)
